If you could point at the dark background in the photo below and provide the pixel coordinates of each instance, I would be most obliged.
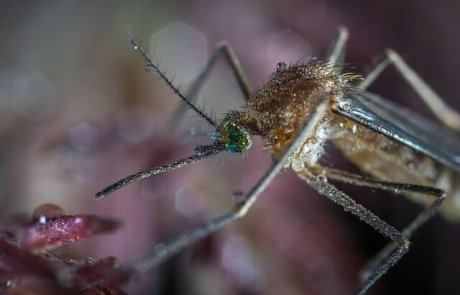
(78, 111)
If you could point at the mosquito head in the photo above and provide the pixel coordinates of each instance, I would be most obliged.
(235, 137)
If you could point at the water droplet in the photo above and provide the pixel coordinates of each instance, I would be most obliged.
(136, 47)
(321, 178)
(238, 197)
(47, 210)
(354, 128)
(298, 165)
(344, 104)
(341, 125)
(149, 67)
(397, 191)
(42, 219)
(281, 66)
(90, 261)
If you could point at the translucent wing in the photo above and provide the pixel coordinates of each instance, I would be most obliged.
(401, 125)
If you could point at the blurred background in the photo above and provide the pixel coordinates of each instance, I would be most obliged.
(78, 111)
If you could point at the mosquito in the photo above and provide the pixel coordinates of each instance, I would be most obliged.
(307, 104)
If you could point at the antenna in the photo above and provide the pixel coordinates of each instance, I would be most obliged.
(151, 66)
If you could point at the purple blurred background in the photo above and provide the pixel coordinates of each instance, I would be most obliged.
(78, 111)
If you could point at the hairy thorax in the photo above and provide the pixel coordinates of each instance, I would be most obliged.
(277, 109)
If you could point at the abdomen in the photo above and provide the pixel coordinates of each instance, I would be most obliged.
(388, 160)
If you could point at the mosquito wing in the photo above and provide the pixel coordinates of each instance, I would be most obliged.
(401, 125)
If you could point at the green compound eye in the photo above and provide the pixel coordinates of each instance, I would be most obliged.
(237, 140)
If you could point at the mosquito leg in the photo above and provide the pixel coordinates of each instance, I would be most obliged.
(340, 198)
(395, 187)
(231, 58)
(423, 217)
(336, 53)
(163, 251)
(371, 182)
(224, 49)
(440, 109)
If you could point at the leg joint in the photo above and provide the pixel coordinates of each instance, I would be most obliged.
(222, 44)
(392, 55)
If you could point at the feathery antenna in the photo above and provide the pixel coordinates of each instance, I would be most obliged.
(151, 66)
